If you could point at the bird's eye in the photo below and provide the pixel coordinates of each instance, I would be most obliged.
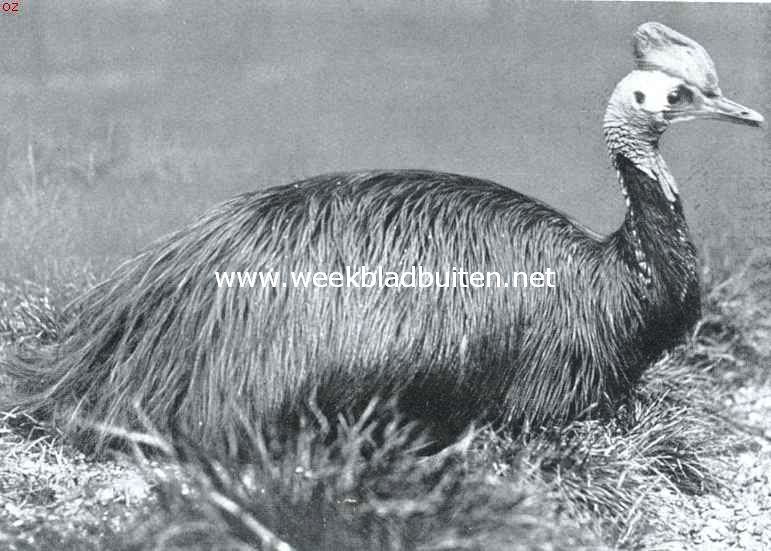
(681, 94)
(639, 97)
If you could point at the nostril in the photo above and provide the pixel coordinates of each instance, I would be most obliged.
(745, 113)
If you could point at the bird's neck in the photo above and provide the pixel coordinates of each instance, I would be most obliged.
(640, 145)
(655, 238)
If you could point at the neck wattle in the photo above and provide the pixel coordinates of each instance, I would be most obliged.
(641, 147)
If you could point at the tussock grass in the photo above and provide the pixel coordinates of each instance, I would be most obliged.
(734, 334)
(370, 487)
(28, 312)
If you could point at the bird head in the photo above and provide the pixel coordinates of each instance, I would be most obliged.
(675, 81)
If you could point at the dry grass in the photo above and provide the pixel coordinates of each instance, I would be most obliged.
(51, 496)
(351, 494)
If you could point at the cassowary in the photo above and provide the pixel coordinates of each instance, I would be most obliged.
(161, 336)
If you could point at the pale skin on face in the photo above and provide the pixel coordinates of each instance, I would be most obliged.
(647, 101)
(652, 99)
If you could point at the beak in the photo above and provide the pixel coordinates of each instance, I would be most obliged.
(721, 108)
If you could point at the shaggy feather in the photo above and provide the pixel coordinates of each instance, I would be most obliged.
(161, 335)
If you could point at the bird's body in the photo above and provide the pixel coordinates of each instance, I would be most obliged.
(163, 335)
(453, 352)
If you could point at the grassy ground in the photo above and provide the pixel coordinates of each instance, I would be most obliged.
(684, 463)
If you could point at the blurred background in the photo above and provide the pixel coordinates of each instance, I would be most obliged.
(123, 120)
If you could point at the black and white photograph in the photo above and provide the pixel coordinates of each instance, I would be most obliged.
(358, 275)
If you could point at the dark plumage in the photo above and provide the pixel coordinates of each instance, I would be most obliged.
(161, 333)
